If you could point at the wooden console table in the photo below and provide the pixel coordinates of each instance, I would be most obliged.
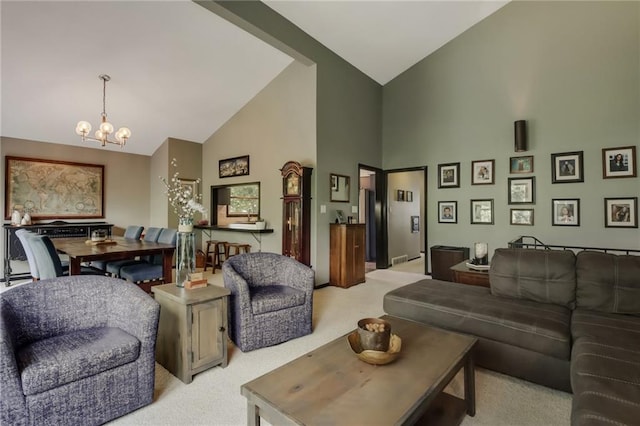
(465, 275)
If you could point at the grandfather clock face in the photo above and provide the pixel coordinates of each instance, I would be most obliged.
(292, 186)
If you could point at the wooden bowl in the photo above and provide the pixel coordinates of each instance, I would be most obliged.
(375, 357)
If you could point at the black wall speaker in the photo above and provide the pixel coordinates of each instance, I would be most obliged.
(520, 130)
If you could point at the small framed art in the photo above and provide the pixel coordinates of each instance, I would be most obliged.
(522, 217)
(409, 196)
(400, 194)
(482, 172)
(237, 166)
(565, 212)
(521, 164)
(482, 212)
(447, 212)
(621, 212)
(567, 167)
(619, 162)
(449, 175)
(522, 190)
(415, 224)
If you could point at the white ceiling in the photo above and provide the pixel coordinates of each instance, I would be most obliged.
(178, 70)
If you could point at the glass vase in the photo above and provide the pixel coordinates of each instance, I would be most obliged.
(185, 256)
(185, 224)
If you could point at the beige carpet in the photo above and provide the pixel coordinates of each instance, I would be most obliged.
(213, 398)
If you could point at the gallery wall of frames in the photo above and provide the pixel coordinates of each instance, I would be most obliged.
(566, 168)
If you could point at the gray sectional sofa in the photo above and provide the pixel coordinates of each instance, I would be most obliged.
(570, 322)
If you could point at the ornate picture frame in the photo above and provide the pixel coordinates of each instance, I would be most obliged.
(619, 162)
(621, 212)
(51, 189)
(449, 175)
(482, 212)
(231, 167)
(447, 212)
(521, 165)
(483, 172)
(565, 212)
(567, 167)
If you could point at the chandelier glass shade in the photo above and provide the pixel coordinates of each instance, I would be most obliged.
(83, 128)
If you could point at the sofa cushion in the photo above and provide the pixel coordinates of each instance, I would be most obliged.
(546, 276)
(539, 327)
(605, 368)
(66, 358)
(608, 283)
(275, 298)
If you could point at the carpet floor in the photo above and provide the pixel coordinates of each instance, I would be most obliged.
(213, 398)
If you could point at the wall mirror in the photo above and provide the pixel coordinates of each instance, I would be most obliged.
(237, 200)
(339, 188)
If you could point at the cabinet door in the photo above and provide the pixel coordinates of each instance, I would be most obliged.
(358, 254)
(292, 229)
(206, 342)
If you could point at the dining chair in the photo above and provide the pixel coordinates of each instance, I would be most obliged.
(46, 258)
(149, 271)
(113, 267)
(132, 232)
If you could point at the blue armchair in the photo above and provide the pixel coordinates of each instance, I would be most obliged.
(271, 299)
(76, 350)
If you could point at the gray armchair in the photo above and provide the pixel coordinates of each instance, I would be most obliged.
(271, 299)
(75, 350)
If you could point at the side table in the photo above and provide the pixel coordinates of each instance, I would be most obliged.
(192, 329)
(465, 275)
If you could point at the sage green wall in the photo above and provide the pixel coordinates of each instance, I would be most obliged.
(276, 126)
(572, 69)
(348, 110)
(126, 177)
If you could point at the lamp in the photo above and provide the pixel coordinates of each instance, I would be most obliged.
(102, 134)
(481, 254)
(520, 130)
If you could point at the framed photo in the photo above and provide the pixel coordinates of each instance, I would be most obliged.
(49, 189)
(521, 164)
(621, 212)
(192, 185)
(567, 167)
(415, 224)
(522, 217)
(447, 212)
(237, 166)
(565, 212)
(409, 196)
(522, 190)
(482, 172)
(619, 162)
(400, 195)
(482, 212)
(449, 175)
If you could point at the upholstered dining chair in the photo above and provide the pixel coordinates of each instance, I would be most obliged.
(113, 267)
(271, 299)
(76, 350)
(131, 232)
(146, 271)
(23, 235)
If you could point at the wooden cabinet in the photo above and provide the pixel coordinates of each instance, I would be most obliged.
(346, 267)
(296, 212)
(192, 329)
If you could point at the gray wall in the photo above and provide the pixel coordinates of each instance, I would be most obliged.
(572, 69)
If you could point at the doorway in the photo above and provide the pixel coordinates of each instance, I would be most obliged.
(372, 209)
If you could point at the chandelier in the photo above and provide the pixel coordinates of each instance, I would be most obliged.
(102, 134)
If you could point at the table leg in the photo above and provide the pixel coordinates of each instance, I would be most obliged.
(167, 265)
(470, 386)
(253, 415)
(75, 266)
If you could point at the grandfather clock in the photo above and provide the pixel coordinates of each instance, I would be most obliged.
(296, 211)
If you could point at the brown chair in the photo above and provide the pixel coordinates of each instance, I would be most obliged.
(219, 249)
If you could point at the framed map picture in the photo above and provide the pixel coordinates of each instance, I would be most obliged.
(49, 189)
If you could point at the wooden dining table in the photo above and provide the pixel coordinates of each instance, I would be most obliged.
(80, 250)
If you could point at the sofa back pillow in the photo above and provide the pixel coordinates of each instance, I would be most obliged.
(546, 276)
(608, 283)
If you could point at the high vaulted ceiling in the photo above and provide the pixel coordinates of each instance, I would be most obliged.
(178, 70)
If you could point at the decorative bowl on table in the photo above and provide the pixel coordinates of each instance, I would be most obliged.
(373, 341)
(99, 235)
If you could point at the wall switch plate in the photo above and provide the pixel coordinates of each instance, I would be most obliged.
(354, 209)
(323, 208)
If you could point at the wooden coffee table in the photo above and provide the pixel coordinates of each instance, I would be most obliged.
(330, 385)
